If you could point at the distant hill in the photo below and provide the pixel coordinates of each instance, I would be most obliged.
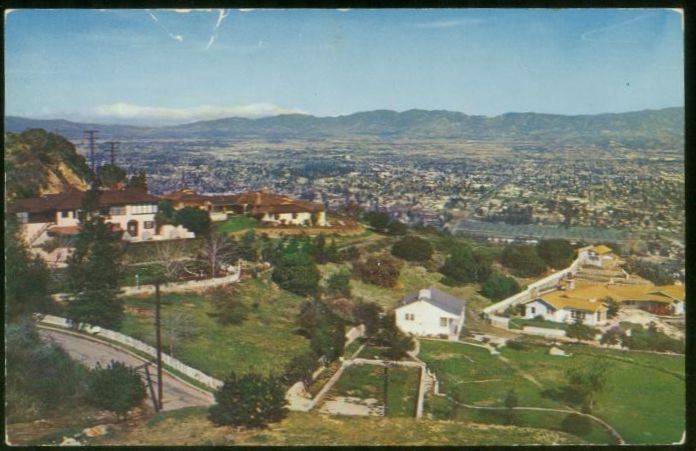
(38, 162)
(662, 128)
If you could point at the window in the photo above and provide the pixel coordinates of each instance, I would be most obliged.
(143, 209)
(276, 216)
(443, 322)
(149, 225)
(23, 217)
(294, 216)
(117, 211)
(64, 214)
(410, 317)
(532, 310)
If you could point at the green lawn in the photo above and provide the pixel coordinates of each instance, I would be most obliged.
(367, 381)
(237, 224)
(191, 427)
(265, 342)
(519, 323)
(644, 401)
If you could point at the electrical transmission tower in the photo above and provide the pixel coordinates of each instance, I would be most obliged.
(92, 139)
(113, 149)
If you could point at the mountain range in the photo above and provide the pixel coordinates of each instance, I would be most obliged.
(663, 128)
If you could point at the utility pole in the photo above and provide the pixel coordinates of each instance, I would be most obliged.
(90, 135)
(386, 386)
(159, 343)
(113, 148)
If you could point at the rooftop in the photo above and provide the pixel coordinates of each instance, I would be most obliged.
(440, 299)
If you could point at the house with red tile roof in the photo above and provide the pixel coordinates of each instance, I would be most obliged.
(130, 211)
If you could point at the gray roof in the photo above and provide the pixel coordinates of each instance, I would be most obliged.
(438, 298)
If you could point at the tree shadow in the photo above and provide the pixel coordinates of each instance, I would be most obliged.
(564, 394)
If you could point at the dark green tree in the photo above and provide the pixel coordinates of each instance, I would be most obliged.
(349, 254)
(338, 283)
(396, 343)
(511, 401)
(466, 266)
(522, 261)
(247, 248)
(397, 227)
(138, 180)
(413, 248)
(311, 313)
(26, 278)
(368, 313)
(319, 249)
(110, 175)
(117, 388)
(557, 254)
(194, 219)
(250, 401)
(612, 307)
(613, 336)
(377, 220)
(332, 252)
(498, 287)
(580, 331)
(301, 368)
(228, 308)
(93, 272)
(329, 338)
(380, 270)
(298, 274)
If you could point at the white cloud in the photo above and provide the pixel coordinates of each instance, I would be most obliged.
(449, 23)
(126, 113)
(176, 37)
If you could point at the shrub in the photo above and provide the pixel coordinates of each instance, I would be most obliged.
(523, 261)
(368, 313)
(349, 254)
(194, 219)
(465, 266)
(338, 283)
(499, 287)
(329, 339)
(301, 368)
(251, 401)
(297, 273)
(556, 253)
(413, 248)
(576, 424)
(117, 388)
(379, 270)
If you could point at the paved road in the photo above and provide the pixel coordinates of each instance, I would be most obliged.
(177, 394)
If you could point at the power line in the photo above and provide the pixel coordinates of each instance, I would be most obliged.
(90, 134)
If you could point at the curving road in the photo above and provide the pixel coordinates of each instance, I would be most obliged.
(177, 394)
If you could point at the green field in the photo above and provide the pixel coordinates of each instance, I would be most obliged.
(367, 381)
(264, 342)
(191, 427)
(638, 384)
(237, 224)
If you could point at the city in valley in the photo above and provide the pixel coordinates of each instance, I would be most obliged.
(363, 267)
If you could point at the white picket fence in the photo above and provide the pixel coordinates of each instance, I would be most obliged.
(132, 343)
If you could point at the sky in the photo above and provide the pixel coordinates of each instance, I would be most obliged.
(155, 67)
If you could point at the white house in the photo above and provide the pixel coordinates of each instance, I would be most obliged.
(562, 309)
(130, 211)
(431, 312)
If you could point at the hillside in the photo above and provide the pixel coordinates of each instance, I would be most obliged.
(38, 162)
(647, 129)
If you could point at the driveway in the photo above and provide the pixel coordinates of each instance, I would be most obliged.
(177, 394)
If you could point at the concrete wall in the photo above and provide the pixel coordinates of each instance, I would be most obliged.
(540, 286)
(544, 332)
(137, 345)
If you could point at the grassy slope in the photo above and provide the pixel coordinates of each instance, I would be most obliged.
(237, 224)
(264, 342)
(190, 427)
(645, 405)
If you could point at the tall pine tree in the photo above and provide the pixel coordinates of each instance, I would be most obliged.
(94, 270)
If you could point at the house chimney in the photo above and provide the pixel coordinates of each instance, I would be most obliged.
(424, 293)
